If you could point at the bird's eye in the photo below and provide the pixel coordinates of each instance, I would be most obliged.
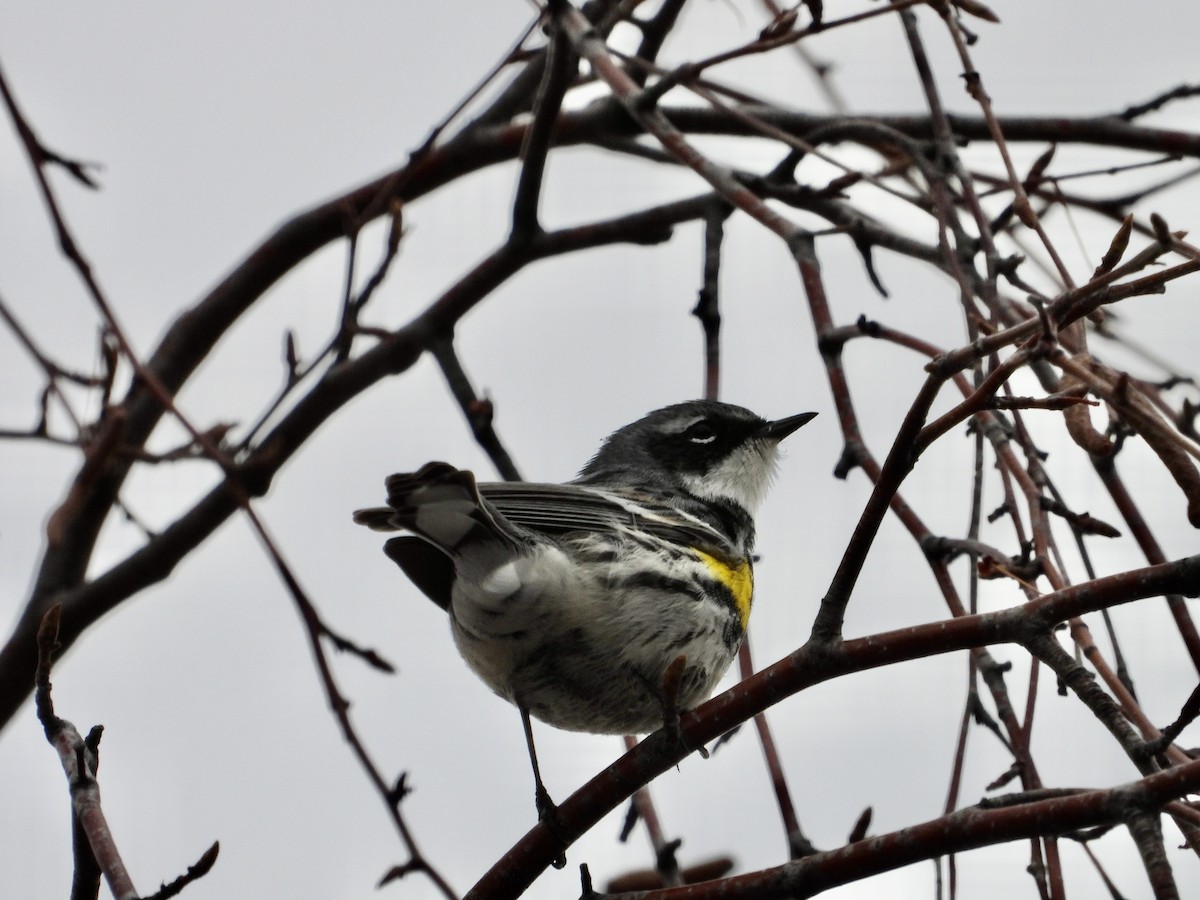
(701, 433)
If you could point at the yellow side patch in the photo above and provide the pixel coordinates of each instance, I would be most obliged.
(739, 579)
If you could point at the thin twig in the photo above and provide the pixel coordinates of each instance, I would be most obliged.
(480, 412)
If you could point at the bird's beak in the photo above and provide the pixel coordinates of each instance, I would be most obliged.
(781, 428)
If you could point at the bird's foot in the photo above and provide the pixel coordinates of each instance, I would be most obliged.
(547, 811)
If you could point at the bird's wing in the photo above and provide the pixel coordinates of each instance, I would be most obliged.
(513, 512)
(556, 509)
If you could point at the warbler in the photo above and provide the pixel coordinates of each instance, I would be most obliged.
(609, 603)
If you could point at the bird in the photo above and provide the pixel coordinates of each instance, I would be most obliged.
(613, 602)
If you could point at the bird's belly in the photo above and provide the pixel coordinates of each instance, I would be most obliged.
(587, 654)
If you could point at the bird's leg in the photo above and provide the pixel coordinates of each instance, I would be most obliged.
(669, 698)
(546, 809)
(541, 797)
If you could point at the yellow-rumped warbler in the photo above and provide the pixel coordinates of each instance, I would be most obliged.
(612, 602)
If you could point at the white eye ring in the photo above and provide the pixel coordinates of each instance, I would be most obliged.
(706, 434)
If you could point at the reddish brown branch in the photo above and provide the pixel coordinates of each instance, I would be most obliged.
(480, 412)
(818, 661)
(967, 829)
(708, 304)
(315, 630)
(798, 844)
(95, 848)
(1151, 550)
(561, 67)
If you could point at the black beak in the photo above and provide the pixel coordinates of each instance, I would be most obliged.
(781, 428)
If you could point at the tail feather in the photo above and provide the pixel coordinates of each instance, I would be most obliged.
(442, 505)
(425, 565)
(378, 518)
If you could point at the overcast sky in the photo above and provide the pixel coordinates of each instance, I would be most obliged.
(213, 124)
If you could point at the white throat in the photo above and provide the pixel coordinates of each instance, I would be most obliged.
(741, 478)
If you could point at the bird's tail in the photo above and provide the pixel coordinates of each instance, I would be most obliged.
(442, 505)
